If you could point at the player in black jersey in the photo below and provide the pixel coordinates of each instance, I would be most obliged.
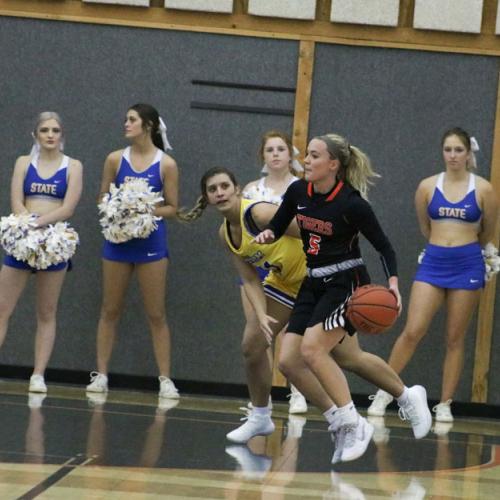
(331, 210)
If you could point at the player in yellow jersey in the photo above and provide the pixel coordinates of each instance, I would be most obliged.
(272, 301)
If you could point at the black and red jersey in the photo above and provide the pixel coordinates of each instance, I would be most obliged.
(330, 224)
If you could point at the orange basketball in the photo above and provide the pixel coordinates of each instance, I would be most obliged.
(372, 309)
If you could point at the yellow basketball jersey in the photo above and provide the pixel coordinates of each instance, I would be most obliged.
(284, 258)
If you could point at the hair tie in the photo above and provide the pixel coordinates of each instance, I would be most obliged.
(474, 146)
(163, 133)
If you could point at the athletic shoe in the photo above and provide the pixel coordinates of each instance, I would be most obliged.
(298, 403)
(337, 438)
(356, 438)
(167, 388)
(295, 426)
(381, 432)
(98, 382)
(255, 425)
(416, 411)
(443, 412)
(37, 384)
(252, 466)
(35, 400)
(380, 400)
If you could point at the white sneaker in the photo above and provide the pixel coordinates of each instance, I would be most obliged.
(37, 384)
(380, 432)
(298, 403)
(443, 412)
(252, 466)
(167, 388)
(35, 400)
(356, 438)
(417, 411)
(295, 426)
(255, 425)
(98, 382)
(337, 438)
(380, 400)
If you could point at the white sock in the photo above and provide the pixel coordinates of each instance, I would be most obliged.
(263, 411)
(330, 414)
(403, 399)
(348, 413)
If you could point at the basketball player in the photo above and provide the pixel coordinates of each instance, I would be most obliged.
(272, 304)
(457, 212)
(330, 210)
(276, 152)
(145, 159)
(47, 183)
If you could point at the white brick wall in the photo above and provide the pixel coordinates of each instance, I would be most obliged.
(289, 9)
(449, 15)
(223, 6)
(140, 3)
(373, 12)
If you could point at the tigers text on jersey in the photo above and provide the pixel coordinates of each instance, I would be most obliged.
(330, 224)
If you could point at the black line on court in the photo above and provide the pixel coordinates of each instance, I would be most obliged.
(241, 109)
(54, 478)
(245, 86)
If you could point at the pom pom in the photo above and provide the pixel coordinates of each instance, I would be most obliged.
(39, 247)
(491, 260)
(127, 211)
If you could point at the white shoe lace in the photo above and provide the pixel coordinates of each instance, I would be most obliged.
(408, 412)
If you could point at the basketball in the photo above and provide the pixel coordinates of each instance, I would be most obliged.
(372, 309)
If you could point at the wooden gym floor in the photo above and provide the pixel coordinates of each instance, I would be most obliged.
(126, 445)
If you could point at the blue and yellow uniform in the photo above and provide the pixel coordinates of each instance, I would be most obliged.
(284, 259)
(461, 267)
(54, 187)
(140, 250)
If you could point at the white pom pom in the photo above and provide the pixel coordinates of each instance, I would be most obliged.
(127, 211)
(38, 247)
(491, 260)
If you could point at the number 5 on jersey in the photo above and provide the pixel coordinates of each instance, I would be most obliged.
(314, 241)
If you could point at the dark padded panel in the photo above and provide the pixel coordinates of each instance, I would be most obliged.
(395, 105)
(91, 74)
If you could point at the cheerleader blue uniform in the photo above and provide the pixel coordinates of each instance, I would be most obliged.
(140, 250)
(461, 267)
(54, 187)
